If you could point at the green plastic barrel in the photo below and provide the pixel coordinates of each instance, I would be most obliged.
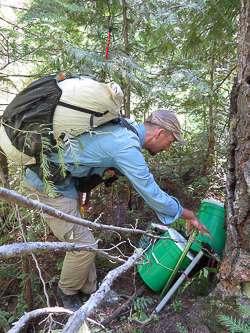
(212, 214)
(164, 255)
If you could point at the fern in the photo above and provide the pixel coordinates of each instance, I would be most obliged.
(49, 188)
(233, 325)
(48, 185)
(71, 145)
(142, 303)
(60, 150)
(243, 310)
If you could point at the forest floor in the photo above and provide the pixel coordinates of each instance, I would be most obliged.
(178, 315)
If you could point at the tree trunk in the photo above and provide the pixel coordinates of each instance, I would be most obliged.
(27, 274)
(234, 273)
(208, 164)
(127, 92)
(4, 171)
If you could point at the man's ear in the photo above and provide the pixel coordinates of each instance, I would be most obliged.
(160, 132)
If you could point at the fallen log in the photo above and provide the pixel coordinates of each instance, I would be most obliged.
(115, 314)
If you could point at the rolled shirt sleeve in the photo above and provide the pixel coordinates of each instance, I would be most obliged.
(133, 165)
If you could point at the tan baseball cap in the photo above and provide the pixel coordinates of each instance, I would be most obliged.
(167, 120)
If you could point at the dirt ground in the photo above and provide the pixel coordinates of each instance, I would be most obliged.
(178, 315)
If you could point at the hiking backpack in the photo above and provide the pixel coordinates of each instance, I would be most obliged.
(49, 107)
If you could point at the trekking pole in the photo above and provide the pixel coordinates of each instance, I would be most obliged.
(206, 248)
(110, 26)
(180, 261)
(110, 29)
(179, 281)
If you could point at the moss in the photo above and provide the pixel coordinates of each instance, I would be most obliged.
(233, 124)
(212, 308)
(246, 289)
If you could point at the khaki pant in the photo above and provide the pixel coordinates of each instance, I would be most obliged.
(78, 272)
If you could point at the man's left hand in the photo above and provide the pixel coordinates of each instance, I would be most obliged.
(191, 219)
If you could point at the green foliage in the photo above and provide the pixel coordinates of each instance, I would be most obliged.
(72, 146)
(68, 145)
(237, 325)
(173, 49)
(177, 303)
(59, 265)
(133, 213)
(9, 270)
(6, 317)
(180, 226)
(3, 316)
(181, 56)
(181, 328)
(49, 186)
(201, 282)
(140, 304)
(198, 284)
(21, 305)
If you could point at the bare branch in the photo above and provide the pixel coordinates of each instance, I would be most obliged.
(25, 264)
(22, 249)
(82, 314)
(224, 79)
(4, 169)
(124, 306)
(20, 58)
(20, 200)
(97, 324)
(36, 313)
(4, 179)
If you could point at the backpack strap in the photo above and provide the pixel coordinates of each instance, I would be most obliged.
(93, 113)
(127, 124)
(78, 108)
(87, 183)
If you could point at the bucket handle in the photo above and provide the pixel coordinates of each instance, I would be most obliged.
(157, 261)
(214, 213)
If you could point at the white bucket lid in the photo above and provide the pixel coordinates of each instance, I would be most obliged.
(214, 202)
(181, 241)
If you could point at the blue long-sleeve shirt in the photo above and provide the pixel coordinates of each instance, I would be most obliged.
(113, 146)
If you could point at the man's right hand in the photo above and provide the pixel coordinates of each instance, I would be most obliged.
(80, 194)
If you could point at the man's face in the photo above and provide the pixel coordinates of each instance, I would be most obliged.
(160, 142)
